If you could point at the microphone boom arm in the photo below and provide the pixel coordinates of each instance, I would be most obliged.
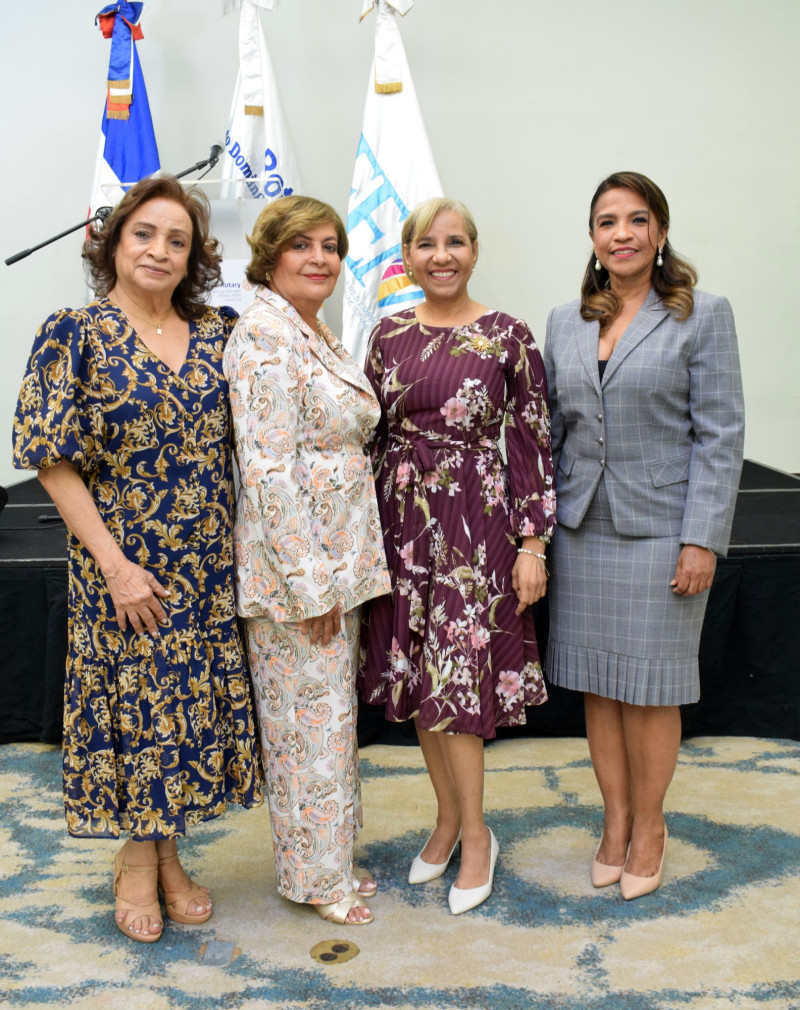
(209, 162)
(101, 215)
(103, 212)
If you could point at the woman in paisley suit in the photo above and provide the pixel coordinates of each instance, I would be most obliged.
(308, 548)
(123, 411)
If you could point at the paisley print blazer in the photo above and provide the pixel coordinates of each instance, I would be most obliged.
(307, 532)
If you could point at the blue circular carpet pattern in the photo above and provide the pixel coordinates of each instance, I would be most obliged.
(722, 932)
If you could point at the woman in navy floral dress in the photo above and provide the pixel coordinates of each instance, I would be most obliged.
(124, 413)
(454, 647)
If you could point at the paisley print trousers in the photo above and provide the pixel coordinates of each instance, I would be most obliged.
(306, 702)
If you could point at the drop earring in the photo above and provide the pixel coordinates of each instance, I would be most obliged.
(660, 260)
(597, 265)
(267, 276)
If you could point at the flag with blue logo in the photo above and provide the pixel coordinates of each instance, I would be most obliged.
(128, 150)
(394, 171)
(259, 159)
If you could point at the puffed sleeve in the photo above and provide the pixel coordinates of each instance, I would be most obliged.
(227, 319)
(279, 572)
(60, 408)
(373, 369)
(527, 431)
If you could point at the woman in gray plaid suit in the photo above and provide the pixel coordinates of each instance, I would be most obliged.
(647, 427)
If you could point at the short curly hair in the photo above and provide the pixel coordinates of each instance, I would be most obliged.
(203, 269)
(281, 221)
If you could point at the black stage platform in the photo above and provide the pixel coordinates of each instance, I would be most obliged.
(749, 650)
(33, 616)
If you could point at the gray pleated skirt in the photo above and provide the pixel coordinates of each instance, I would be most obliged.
(616, 627)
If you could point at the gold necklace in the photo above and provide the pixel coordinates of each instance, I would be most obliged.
(157, 326)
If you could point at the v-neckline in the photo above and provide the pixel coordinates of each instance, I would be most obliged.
(157, 357)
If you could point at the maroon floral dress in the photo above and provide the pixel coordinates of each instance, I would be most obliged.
(446, 647)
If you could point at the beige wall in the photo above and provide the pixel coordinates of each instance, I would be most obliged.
(528, 105)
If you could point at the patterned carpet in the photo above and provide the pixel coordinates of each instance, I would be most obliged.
(722, 932)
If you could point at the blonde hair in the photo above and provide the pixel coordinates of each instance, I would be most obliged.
(421, 218)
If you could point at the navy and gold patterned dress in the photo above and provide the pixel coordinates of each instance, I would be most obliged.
(158, 733)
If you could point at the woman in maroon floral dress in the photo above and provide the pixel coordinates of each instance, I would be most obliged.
(454, 647)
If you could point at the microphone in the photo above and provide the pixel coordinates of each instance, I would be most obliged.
(208, 163)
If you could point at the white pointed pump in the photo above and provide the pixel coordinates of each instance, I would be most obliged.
(422, 872)
(463, 899)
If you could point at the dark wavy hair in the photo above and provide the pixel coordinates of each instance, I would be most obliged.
(281, 221)
(203, 268)
(673, 282)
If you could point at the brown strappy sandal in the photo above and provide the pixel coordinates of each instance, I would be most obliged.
(151, 908)
(176, 902)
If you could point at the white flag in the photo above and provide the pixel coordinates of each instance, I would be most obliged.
(259, 158)
(394, 171)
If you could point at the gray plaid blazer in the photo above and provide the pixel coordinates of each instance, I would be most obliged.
(665, 426)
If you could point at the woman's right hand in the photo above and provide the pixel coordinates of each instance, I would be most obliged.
(134, 591)
(136, 594)
(323, 628)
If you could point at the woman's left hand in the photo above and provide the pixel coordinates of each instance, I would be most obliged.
(694, 572)
(323, 628)
(528, 577)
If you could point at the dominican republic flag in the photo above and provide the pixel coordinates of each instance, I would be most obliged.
(259, 159)
(394, 171)
(127, 151)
